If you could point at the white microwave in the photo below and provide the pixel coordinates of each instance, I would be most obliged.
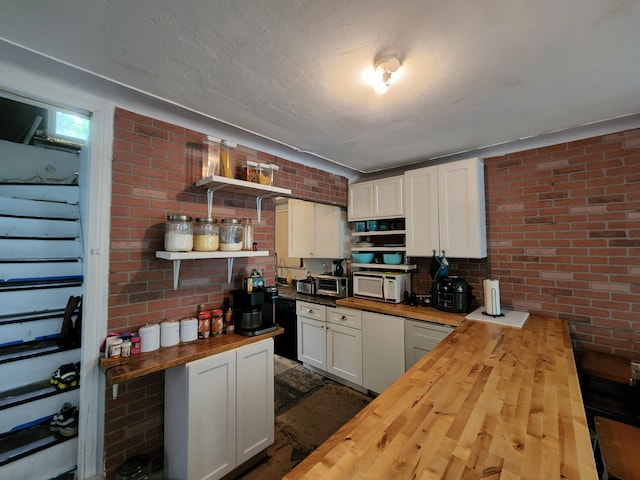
(381, 286)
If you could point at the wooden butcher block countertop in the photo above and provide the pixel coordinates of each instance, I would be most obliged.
(489, 402)
(419, 313)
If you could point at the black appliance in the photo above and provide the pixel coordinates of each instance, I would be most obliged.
(452, 294)
(286, 344)
(254, 312)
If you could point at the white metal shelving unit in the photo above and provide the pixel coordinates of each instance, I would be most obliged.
(381, 249)
(213, 184)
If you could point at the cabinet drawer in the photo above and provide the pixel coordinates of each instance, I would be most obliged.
(425, 330)
(311, 310)
(345, 316)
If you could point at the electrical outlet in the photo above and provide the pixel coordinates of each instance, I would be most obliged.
(635, 371)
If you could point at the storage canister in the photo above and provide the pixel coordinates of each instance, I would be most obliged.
(178, 233)
(169, 333)
(211, 163)
(149, 337)
(247, 235)
(206, 235)
(188, 329)
(227, 161)
(230, 235)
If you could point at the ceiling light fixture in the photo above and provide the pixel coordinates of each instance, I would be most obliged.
(385, 72)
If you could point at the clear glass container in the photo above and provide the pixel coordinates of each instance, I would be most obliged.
(211, 163)
(247, 235)
(206, 235)
(231, 235)
(227, 159)
(249, 171)
(178, 233)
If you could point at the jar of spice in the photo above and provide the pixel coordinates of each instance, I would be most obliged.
(217, 322)
(135, 345)
(229, 327)
(178, 233)
(231, 235)
(204, 322)
(206, 235)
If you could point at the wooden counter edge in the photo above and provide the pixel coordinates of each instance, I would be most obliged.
(427, 314)
(118, 370)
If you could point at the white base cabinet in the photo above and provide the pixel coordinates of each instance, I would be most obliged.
(420, 338)
(218, 412)
(382, 350)
(330, 340)
(344, 344)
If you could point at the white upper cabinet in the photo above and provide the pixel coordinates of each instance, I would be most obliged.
(445, 210)
(316, 230)
(383, 198)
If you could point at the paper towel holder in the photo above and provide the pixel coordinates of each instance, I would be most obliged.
(492, 298)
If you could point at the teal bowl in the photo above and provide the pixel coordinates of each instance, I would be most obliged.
(392, 258)
(362, 257)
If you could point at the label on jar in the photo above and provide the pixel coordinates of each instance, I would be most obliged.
(204, 324)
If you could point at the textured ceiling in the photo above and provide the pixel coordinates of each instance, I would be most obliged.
(474, 73)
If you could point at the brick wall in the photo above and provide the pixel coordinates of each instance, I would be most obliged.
(563, 228)
(155, 167)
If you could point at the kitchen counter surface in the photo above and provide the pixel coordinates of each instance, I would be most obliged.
(427, 314)
(118, 370)
(489, 401)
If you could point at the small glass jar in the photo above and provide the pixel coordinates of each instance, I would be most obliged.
(231, 235)
(247, 235)
(204, 324)
(206, 235)
(178, 233)
(227, 160)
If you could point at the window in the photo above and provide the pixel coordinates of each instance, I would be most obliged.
(68, 126)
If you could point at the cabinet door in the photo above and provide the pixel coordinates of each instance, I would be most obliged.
(328, 239)
(200, 418)
(312, 341)
(301, 228)
(255, 415)
(382, 350)
(462, 209)
(388, 197)
(420, 338)
(421, 206)
(360, 201)
(344, 352)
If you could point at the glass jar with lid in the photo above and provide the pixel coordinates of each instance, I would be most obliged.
(231, 235)
(227, 160)
(206, 235)
(178, 233)
(247, 235)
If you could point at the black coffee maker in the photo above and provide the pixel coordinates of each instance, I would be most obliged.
(254, 311)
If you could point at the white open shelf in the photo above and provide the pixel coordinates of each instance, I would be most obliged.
(177, 257)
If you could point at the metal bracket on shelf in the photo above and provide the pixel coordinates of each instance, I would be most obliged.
(176, 271)
(210, 202)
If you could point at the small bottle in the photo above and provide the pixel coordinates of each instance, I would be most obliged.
(125, 350)
(135, 345)
(229, 327)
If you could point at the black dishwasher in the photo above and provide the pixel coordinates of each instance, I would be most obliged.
(286, 345)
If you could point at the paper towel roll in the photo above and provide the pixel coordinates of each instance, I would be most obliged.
(492, 296)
